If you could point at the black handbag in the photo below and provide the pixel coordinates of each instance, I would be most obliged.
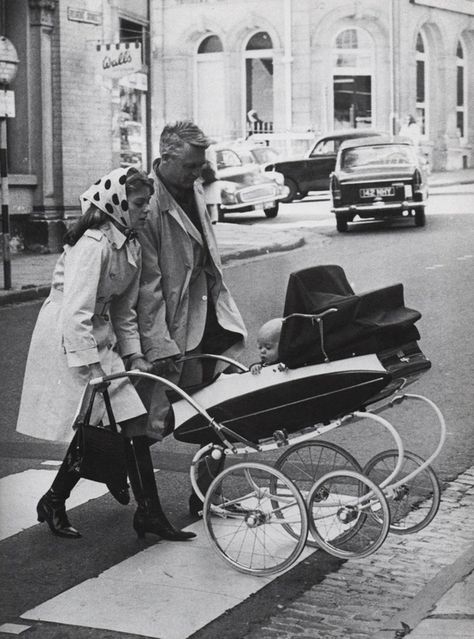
(99, 453)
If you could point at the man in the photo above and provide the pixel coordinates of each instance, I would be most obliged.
(184, 305)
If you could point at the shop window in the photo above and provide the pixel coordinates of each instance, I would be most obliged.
(132, 114)
(352, 79)
(421, 85)
(461, 91)
(259, 84)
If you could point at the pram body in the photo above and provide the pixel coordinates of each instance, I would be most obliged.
(344, 358)
(360, 352)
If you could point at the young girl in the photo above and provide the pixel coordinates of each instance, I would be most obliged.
(84, 329)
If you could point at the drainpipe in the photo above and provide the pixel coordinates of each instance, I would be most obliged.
(393, 114)
(287, 60)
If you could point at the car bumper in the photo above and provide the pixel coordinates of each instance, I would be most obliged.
(260, 203)
(379, 207)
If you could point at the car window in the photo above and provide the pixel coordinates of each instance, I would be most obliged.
(265, 154)
(380, 155)
(325, 146)
(227, 158)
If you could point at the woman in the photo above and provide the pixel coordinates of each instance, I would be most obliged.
(87, 324)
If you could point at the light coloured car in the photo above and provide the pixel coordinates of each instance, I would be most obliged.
(244, 186)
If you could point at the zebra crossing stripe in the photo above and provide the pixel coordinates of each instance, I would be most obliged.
(168, 591)
(20, 492)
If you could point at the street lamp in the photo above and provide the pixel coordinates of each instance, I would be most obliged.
(8, 68)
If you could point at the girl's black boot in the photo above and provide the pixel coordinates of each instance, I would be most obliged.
(51, 508)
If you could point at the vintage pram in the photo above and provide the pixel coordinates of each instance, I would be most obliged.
(344, 357)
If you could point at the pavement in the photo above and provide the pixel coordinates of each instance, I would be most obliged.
(443, 606)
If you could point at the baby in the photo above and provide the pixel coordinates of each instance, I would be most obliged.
(268, 338)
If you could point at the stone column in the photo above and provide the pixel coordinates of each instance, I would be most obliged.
(46, 226)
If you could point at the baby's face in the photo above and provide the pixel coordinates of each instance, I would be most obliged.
(267, 345)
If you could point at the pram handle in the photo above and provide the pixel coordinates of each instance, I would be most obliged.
(223, 358)
(316, 318)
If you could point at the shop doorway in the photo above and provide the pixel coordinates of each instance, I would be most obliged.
(259, 84)
(352, 101)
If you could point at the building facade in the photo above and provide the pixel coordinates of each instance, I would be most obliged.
(97, 80)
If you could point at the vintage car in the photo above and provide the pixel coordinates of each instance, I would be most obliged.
(378, 178)
(312, 172)
(244, 186)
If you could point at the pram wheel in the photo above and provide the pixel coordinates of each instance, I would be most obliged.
(248, 513)
(341, 506)
(306, 462)
(413, 502)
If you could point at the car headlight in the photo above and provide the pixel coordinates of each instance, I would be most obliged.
(228, 193)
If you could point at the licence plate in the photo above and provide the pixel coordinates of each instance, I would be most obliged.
(380, 191)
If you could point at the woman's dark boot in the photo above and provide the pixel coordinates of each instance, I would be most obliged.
(149, 516)
(51, 507)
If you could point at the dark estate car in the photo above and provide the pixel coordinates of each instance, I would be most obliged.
(378, 178)
(312, 172)
(244, 186)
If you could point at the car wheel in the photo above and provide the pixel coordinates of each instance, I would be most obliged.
(420, 217)
(291, 184)
(220, 213)
(341, 223)
(273, 212)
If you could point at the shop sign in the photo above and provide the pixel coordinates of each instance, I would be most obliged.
(138, 81)
(82, 15)
(117, 60)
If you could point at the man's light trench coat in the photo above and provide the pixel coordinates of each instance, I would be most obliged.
(171, 313)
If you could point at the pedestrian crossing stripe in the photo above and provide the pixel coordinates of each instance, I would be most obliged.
(168, 591)
(20, 492)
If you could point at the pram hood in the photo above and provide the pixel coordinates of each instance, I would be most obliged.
(363, 323)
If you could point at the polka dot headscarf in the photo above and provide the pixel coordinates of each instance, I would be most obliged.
(108, 194)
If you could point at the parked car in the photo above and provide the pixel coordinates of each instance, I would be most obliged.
(244, 187)
(312, 172)
(378, 178)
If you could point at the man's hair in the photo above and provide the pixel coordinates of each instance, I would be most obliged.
(174, 136)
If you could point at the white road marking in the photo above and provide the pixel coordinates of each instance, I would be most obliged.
(465, 257)
(168, 591)
(13, 628)
(19, 494)
(434, 266)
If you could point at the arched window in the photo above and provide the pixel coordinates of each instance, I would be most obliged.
(211, 44)
(421, 84)
(259, 83)
(210, 87)
(353, 62)
(461, 87)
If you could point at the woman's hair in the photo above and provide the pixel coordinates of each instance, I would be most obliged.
(93, 218)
